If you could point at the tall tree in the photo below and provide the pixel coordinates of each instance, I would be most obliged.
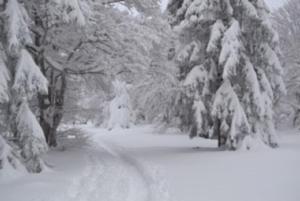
(287, 24)
(230, 69)
(76, 38)
(157, 80)
(26, 80)
(135, 51)
(57, 37)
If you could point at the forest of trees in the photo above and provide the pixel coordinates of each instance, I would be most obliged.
(213, 68)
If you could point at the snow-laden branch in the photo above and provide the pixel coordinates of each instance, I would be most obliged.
(53, 64)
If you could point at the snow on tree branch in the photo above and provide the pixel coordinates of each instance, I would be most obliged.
(29, 79)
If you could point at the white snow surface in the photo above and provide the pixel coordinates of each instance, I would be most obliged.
(139, 164)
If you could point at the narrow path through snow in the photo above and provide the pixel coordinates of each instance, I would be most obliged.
(111, 174)
(90, 165)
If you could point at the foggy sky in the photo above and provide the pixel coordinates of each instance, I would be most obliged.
(273, 4)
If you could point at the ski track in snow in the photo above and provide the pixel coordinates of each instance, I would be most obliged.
(112, 175)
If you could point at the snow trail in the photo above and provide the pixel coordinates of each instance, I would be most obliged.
(111, 174)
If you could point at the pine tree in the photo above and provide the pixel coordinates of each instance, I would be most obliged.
(25, 83)
(9, 158)
(229, 67)
(31, 138)
(4, 79)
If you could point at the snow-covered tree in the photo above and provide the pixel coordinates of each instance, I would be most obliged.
(157, 82)
(31, 138)
(45, 22)
(26, 81)
(89, 103)
(227, 108)
(135, 49)
(4, 79)
(229, 66)
(76, 38)
(17, 24)
(287, 24)
(9, 159)
(120, 107)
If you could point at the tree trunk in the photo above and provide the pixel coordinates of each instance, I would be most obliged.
(51, 108)
(50, 105)
(296, 116)
(50, 125)
(218, 133)
(222, 137)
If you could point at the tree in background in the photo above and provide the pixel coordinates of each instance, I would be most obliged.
(89, 102)
(76, 38)
(228, 64)
(136, 51)
(287, 23)
(43, 44)
(157, 82)
(120, 107)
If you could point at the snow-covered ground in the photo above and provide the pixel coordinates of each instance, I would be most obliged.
(137, 165)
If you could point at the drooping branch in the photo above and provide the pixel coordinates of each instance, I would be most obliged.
(107, 2)
(53, 64)
(74, 50)
(85, 72)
